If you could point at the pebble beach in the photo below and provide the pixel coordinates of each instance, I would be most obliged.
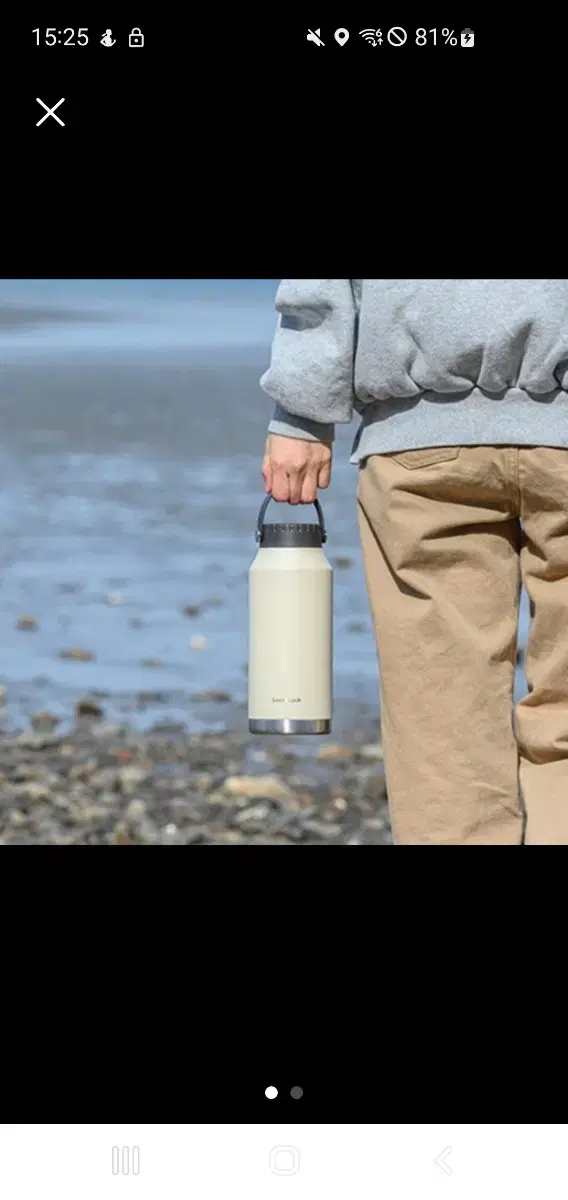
(100, 783)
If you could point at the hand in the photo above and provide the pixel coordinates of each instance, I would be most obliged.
(293, 468)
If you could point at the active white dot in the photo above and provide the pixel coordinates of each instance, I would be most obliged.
(271, 1093)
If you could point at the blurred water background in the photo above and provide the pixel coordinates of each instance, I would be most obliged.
(132, 433)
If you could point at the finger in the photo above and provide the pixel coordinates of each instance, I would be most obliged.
(295, 481)
(280, 485)
(324, 475)
(310, 486)
(267, 475)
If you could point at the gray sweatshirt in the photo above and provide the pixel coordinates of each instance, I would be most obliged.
(424, 362)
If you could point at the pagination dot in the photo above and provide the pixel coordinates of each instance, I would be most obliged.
(296, 1093)
(271, 1093)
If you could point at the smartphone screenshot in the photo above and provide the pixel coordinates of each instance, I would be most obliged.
(283, 558)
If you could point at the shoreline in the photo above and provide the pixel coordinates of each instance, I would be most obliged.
(101, 783)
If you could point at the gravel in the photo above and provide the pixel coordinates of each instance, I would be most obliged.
(107, 784)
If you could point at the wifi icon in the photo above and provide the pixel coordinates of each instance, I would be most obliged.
(373, 36)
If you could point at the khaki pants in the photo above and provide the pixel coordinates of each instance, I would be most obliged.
(444, 556)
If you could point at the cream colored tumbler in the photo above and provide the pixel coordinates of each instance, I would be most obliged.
(290, 669)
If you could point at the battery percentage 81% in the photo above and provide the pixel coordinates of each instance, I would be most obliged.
(448, 35)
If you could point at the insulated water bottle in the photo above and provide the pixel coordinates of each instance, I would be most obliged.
(290, 629)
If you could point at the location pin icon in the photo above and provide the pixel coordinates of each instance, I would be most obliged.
(341, 36)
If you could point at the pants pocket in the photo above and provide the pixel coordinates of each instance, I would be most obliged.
(428, 457)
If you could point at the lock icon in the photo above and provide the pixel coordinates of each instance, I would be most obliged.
(136, 37)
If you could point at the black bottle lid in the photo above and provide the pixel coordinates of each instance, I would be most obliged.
(290, 535)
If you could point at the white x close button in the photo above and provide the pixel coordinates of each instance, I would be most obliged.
(50, 112)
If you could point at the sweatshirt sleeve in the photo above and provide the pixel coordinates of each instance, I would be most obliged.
(312, 359)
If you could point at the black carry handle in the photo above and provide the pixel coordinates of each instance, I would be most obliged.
(260, 523)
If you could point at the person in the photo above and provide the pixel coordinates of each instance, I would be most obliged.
(462, 457)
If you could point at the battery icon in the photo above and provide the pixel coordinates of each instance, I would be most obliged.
(467, 37)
